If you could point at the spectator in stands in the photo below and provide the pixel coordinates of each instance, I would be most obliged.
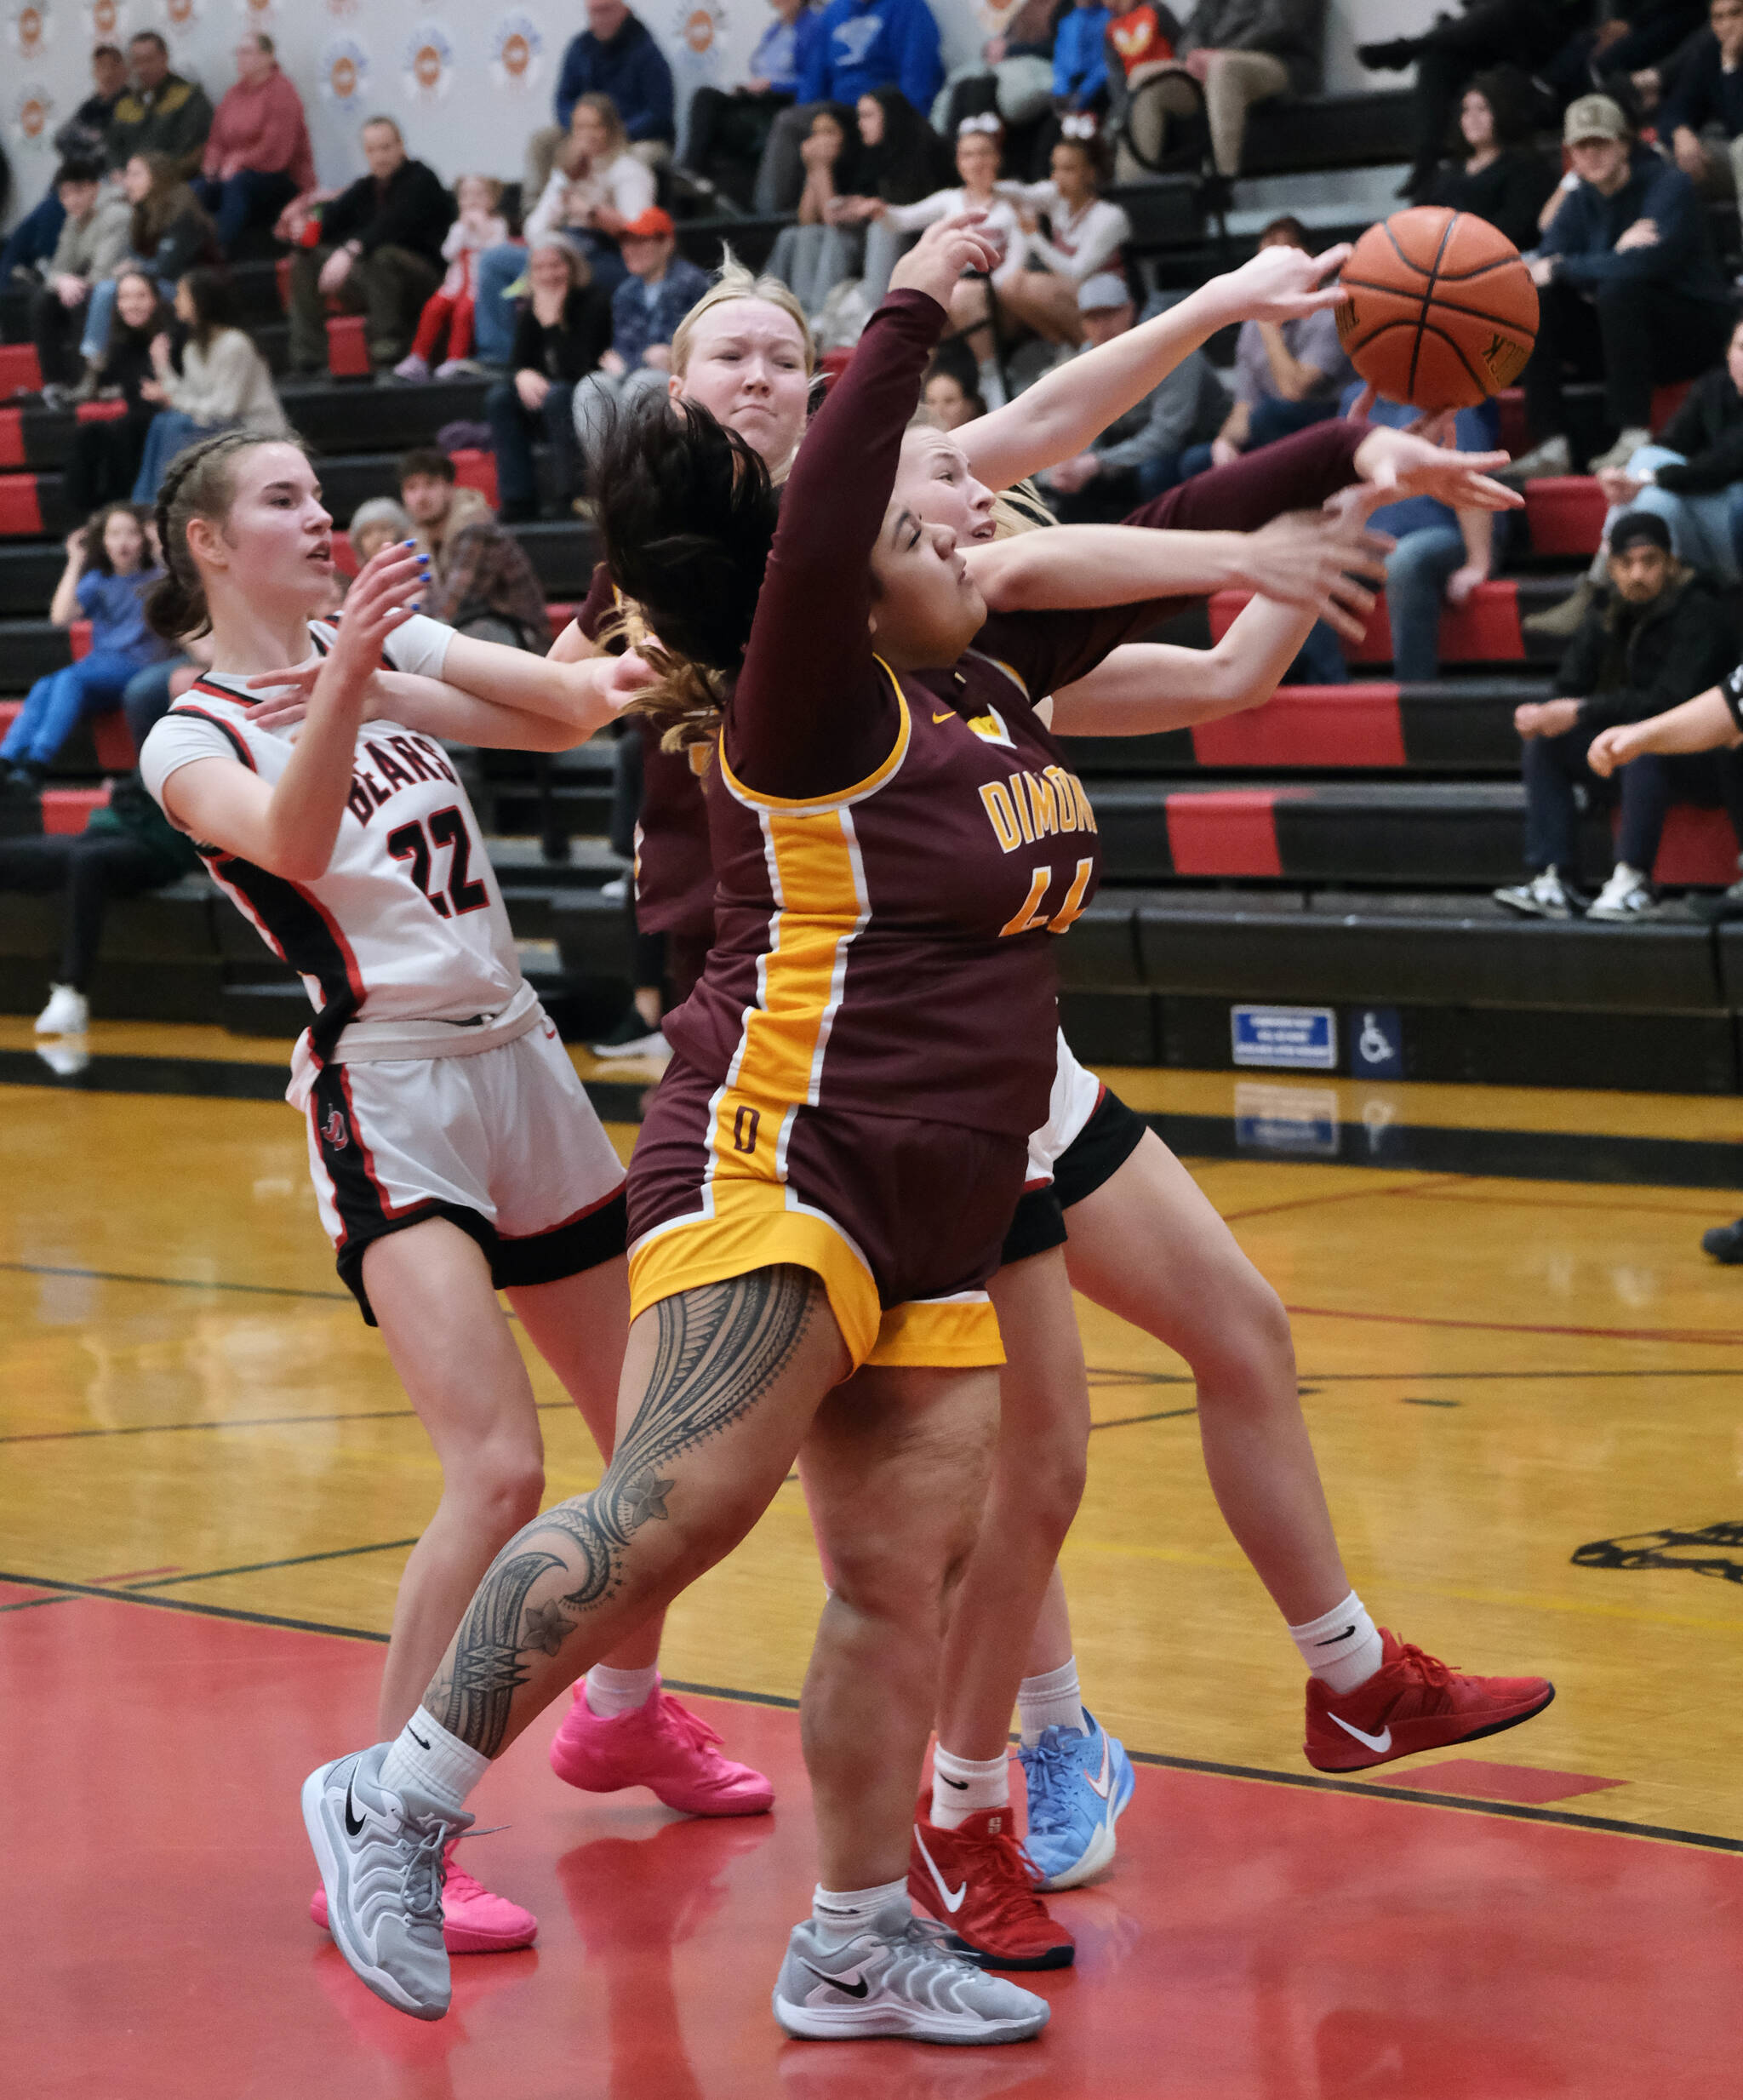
(377, 524)
(1502, 177)
(1691, 477)
(1627, 286)
(477, 228)
(1085, 237)
(126, 848)
(379, 253)
(82, 141)
(160, 112)
(1662, 638)
(899, 160)
(92, 242)
(1702, 116)
(1441, 555)
(948, 399)
(864, 45)
(1612, 53)
(224, 383)
(104, 581)
(595, 188)
(1013, 75)
(646, 308)
(1487, 32)
(616, 55)
(1240, 52)
(1286, 375)
(258, 156)
(729, 128)
(481, 581)
(564, 330)
(1142, 454)
(1080, 58)
(169, 234)
(814, 254)
(104, 462)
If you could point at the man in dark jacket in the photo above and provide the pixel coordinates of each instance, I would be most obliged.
(1662, 638)
(160, 112)
(379, 253)
(1628, 289)
(1702, 116)
(615, 55)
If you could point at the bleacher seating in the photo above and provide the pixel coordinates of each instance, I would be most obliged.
(1335, 848)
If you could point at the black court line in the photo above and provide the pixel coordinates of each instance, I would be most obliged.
(1507, 1155)
(1313, 1782)
(260, 1567)
(1128, 1422)
(246, 1422)
(167, 1283)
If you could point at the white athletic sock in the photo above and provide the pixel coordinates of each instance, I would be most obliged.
(841, 1913)
(963, 1786)
(612, 1692)
(1342, 1647)
(440, 1766)
(1053, 1700)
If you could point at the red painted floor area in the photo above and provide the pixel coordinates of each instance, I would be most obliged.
(1255, 1942)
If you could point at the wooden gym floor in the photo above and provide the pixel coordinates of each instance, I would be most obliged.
(1523, 1389)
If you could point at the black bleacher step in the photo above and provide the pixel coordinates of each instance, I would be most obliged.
(1299, 135)
(340, 418)
(255, 283)
(33, 648)
(519, 861)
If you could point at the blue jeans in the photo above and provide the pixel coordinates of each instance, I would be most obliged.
(250, 199)
(99, 316)
(56, 704)
(34, 238)
(1704, 529)
(1554, 766)
(494, 317)
(512, 425)
(1416, 572)
(169, 431)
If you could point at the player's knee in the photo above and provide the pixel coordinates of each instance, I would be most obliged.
(1251, 1353)
(507, 1483)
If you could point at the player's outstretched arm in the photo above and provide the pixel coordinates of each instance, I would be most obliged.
(1060, 415)
(1145, 688)
(1703, 723)
(291, 828)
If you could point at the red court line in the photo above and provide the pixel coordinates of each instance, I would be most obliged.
(1345, 1195)
(1383, 1947)
(1726, 1337)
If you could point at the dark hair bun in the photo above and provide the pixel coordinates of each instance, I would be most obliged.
(687, 516)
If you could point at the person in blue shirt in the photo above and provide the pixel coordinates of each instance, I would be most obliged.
(104, 581)
(729, 127)
(1441, 554)
(1628, 289)
(646, 308)
(1080, 57)
(862, 45)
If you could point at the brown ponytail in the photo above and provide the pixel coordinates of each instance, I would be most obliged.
(199, 482)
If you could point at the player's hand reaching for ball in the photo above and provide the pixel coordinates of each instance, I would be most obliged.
(1405, 464)
(1324, 560)
(941, 254)
(1280, 284)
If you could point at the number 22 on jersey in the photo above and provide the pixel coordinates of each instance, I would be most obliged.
(416, 844)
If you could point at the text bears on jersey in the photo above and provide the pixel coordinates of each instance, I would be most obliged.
(418, 758)
(1035, 805)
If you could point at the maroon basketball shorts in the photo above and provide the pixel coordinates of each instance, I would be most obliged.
(902, 1220)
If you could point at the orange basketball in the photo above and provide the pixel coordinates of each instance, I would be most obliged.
(1438, 310)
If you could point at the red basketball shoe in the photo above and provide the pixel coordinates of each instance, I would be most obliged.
(1411, 1703)
(979, 1886)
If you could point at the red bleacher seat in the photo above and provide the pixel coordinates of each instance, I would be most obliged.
(68, 810)
(116, 750)
(1484, 629)
(1565, 513)
(79, 635)
(100, 411)
(559, 612)
(19, 372)
(9, 714)
(1229, 831)
(348, 348)
(1665, 402)
(1698, 846)
(1310, 726)
(12, 454)
(475, 468)
(20, 513)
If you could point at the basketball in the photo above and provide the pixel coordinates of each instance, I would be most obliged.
(1438, 311)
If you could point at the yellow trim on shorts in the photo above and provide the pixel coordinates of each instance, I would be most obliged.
(754, 1227)
(953, 1334)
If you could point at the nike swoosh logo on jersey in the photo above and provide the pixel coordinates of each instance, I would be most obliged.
(353, 1825)
(857, 1989)
(1383, 1741)
(953, 1900)
(949, 715)
(1102, 1783)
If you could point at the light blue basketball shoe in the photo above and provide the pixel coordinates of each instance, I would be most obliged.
(1079, 1787)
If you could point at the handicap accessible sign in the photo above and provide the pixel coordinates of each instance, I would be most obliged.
(1289, 1038)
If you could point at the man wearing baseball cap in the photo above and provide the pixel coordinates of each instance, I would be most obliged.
(646, 308)
(1629, 290)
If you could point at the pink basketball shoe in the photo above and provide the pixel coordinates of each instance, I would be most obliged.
(661, 1746)
(473, 1920)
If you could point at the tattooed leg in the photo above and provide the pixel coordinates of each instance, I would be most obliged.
(725, 1381)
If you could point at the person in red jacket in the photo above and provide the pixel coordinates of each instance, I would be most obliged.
(258, 156)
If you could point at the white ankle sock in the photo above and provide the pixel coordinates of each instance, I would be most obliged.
(963, 1786)
(841, 1913)
(440, 1766)
(1053, 1700)
(612, 1692)
(1342, 1647)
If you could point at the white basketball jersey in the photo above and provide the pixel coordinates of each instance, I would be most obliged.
(408, 923)
(1075, 1094)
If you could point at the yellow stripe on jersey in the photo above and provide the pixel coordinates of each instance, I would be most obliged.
(858, 793)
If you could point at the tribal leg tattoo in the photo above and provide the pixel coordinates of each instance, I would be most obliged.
(720, 1350)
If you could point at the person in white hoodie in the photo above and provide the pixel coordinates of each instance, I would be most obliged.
(223, 384)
